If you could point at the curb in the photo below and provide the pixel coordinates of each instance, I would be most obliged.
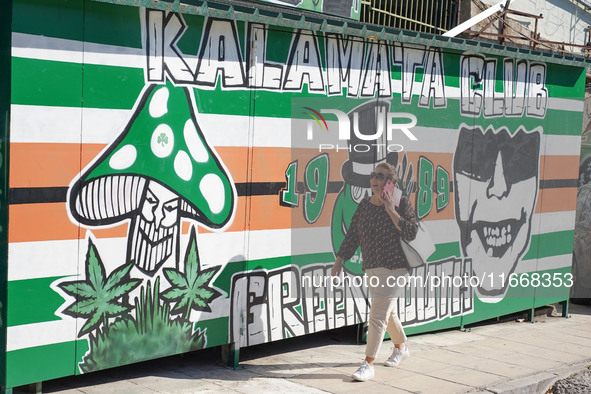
(540, 382)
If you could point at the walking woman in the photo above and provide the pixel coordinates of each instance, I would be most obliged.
(377, 226)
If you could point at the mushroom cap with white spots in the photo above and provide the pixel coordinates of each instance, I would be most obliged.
(164, 143)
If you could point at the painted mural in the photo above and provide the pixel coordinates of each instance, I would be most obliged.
(196, 191)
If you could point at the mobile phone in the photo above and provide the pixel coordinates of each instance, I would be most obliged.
(392, 189)
(388, 188)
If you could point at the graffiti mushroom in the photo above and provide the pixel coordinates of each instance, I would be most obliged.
(159, 170)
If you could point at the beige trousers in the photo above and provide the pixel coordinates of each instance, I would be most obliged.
(383, 315)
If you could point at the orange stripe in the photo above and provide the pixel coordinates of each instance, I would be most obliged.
(48, 222)
(50, 165)
(42, 222)
(559, 167)
(37, 222)
(556, 200)
(270, 164)
(46, 165)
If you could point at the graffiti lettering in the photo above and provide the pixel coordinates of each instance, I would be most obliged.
(523, 89)
(261, 74)
(428, 299)
(442, 188)
(272, 305)
(410, 59)
(377, 77)
(364, 68)
(304, 63)
(162, 33)
(425, 192)
(219, 55)
(344, 58)
(289, 195)
(315, 182)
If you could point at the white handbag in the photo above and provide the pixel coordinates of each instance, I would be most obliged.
(419, 249)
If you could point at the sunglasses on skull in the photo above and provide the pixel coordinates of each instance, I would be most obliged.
(477, 154)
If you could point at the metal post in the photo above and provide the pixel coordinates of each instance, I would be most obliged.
(503, 21)
(564, 308)
(231, 355)
(535, 33)
(362, 332)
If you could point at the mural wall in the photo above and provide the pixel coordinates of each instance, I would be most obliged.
(180, 182)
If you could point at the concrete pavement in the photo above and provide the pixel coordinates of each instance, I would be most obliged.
(497, 357)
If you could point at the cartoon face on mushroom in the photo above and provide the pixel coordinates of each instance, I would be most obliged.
(159, 171)
(495, 193)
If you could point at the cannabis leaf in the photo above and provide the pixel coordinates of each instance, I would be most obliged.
(190, 290)
(96, 297)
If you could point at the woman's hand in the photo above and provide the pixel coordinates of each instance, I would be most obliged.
(337, 267)
(388, 199)
(390, 206)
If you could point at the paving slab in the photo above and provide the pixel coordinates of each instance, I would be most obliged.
(527, 360)
(330, 380)
(166, 385)
(122, 386)
(502, 369)
(380, 389)
(281, 370)
(267, 385)
(426, 384)
(447, 356)
(577, 332)
(467, 376)
(325, 358)
(449, 338)
(416, 363)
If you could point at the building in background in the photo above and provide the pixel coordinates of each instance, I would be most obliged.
(434, 17)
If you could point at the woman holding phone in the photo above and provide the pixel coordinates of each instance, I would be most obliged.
(376, 226)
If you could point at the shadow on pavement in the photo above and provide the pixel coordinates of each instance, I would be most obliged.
(207, 363)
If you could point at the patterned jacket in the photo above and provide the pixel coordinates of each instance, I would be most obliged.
(373, 229)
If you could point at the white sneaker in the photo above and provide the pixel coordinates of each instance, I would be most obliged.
(397, 357)
(364, 373)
